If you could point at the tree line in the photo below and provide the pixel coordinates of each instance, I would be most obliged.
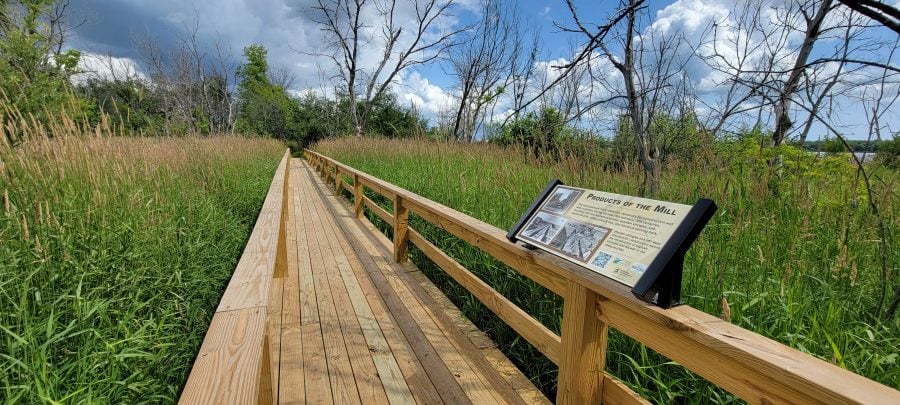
(785, 68)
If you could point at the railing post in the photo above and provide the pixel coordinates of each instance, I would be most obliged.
(584, 338)
(337, 180)
(401, 234)
(357, 196)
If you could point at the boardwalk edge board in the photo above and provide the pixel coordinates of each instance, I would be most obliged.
(635, 241)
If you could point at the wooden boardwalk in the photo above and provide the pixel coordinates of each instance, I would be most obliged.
(323, 308)
(348, 325)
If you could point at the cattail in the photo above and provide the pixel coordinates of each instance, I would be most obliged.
(726, 310)
(6, 202)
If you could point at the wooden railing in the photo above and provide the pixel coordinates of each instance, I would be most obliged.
(233, 365)
(752, 367)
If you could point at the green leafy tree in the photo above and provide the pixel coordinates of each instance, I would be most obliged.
(264, 108)
(833, 146)
(130, 104)
(889, 152)
(34, 81)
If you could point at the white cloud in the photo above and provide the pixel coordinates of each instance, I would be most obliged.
(413, 89)
(106, 67)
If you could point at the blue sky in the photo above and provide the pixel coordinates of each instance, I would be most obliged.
(284, 27)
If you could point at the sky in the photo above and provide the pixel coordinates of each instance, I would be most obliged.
(285, 27)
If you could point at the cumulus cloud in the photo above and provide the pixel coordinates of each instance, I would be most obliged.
(107, 67)
(415, 90)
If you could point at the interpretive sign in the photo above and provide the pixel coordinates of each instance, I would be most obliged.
(636, 241)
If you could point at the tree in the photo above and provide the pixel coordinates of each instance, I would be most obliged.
(34, 80)
(878, 11)
(263, 108)
(193, 86)
(649, 66)
(491, 58)
(399, 48)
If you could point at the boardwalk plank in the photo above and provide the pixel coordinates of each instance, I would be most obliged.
(368, 385)
(395, 385)
(315, 366)
(340, 372)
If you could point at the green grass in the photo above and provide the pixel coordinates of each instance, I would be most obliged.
(113, 255)
(802, 267)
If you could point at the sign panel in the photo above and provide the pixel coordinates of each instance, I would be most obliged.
(615, 235)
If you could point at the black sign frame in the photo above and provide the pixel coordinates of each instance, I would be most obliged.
(661, 282)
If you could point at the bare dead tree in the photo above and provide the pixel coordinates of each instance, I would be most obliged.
(400, 47)
(878, 11)
(767, 72)
(813, 13)
(61, 25)
(192, 85)
(282, 77)
(648, 65)
(525, 57)
(483, 65)
(745, 53)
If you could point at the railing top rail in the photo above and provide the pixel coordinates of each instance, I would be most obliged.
(751, 366)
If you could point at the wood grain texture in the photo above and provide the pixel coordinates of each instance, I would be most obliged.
(228, 366)
(615, 392)
(401, 230)
(339, 370)
(388, 370)
(357, 196)
(498, 387)
(362, 367)
(584, 348)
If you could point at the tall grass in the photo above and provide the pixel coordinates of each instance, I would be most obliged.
(113, 254)
(801, 267)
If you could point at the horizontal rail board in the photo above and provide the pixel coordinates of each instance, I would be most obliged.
(533, 331)
(380, 212)
(755, 368)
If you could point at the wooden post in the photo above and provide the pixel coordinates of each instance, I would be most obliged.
(584, 338)
(401, 234)
(357, 196)
(338, 179)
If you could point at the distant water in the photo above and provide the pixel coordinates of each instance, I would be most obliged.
(865, 157)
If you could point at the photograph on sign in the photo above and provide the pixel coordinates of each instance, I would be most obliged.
(615, 235)
(578, 240)
(543, 227)
(561, 200)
